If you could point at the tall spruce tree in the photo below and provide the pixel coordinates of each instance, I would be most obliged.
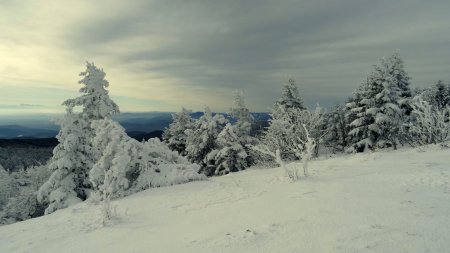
(75, 155)
(380, 106)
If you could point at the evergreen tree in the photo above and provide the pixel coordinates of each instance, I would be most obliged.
(380, 106)
(391, 101)
(201, 144)
(95, 101)
(442, 95)
(233, 140)
(69, 165)
(75, 154)
(437, 95)
(175, 134)
(362, 137)
(290, 98)
(337, 129)
(284, 126)
(108, 175)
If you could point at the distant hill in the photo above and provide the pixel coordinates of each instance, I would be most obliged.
(141, 125)
(17, 131)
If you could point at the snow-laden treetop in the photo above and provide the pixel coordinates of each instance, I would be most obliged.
(95, 100)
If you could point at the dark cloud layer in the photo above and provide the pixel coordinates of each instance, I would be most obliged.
(216, 46)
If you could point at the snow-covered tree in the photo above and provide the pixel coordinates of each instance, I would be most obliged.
(175, 134)
(128, 166)
(337, 124)
(95, 101)
(390, 100)
(429, 124)
(108, 175)
(75, 155)
(231, 155)
(361, 136)
(22, 202)
(381, 105)
(68, 183)
(156, 165)
(284, 124)
(234, 139)
(239, 110)
(437, 95)
(304, 149)
(314, 127)
(201, 144)
(297, 139)
(7, 187)
(290, 97)
(96, 104)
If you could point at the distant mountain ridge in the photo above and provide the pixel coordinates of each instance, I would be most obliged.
(137, 125)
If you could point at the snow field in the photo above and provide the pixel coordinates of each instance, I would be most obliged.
(374, 202)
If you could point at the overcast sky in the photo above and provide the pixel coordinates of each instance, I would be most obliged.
(161, 55)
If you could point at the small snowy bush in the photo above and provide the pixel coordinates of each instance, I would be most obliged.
(429, 124)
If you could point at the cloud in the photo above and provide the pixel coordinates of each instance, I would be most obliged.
(192, 53)
(30, 105)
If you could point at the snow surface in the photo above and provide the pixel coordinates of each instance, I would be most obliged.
(374, 202)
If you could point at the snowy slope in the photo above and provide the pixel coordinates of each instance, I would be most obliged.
(379, 202)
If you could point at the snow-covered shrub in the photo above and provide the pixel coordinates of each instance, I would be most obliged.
(157, 166)
(304, 149)
(128, 166)
(429, 124)
(437, 95)
(20, 208)
(22, 157)
(289, 132)
(23, 203)
(7, 187)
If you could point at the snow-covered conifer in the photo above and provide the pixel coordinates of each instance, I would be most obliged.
(108, 175)
(429, 124)
(380, 106)
(175, 134)
(201, 144)
(75, 155)
(390, 100)
(95, 101)
(362, 137)
(68, 183)
(290, 97)
(337, 136)
(284, 129)
(234, 139)
(437, 95)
